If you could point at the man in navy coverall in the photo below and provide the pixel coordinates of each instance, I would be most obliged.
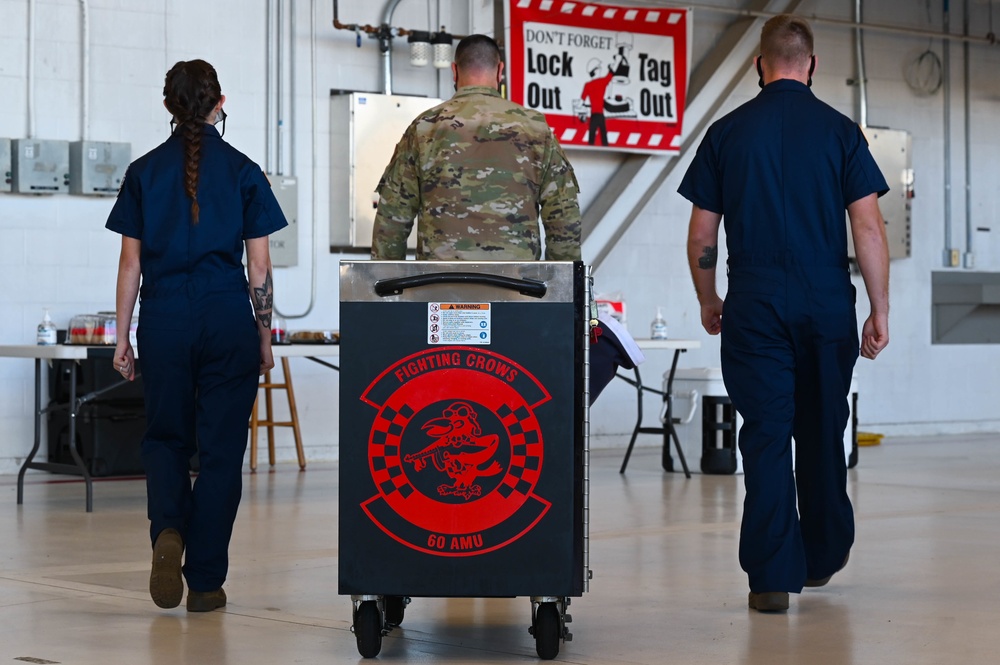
(780, 170)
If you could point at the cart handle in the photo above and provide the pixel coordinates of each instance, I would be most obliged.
(396, 285)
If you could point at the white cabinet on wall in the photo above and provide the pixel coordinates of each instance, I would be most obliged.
(892, 150)
(364, 131)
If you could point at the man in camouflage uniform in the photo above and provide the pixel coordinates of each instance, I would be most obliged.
(476, 171)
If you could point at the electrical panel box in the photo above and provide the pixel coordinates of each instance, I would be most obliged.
(97, 168)
(6, 176)
(40, 167)
(284, 244)
(364, 131)
(892, 150)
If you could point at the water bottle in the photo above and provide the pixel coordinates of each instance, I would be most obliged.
(658, 328)
(46, 330)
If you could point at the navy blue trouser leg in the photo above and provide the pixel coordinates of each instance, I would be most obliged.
(827, 351)
(229, 364)
(788, 350)
(200, 386)
(164, 344)
(758, 369)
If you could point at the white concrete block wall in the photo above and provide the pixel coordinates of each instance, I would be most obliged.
(54, 250)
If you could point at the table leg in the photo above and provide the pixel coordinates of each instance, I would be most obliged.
(73, 407)
(680, 453)
(38, 432)
(638, 419)
(323, 362)
(668, 425)
(74, 410)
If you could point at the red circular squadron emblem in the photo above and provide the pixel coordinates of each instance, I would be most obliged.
(455, 451)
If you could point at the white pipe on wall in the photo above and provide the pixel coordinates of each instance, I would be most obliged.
(312, 170)
(862, 74)
(390, 8)
(280, 85)
(84, 71)
(313, 259)
(969, 260)
(946, 72)
(31, 69)
(292, 28)
(268, 60)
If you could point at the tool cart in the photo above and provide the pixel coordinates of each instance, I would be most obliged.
(463, 438)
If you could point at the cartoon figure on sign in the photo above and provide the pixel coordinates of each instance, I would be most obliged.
(592, 99)
(598, 98)
(459, 450)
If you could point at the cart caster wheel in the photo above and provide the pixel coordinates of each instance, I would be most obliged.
(368, 629)
(546, 631)
(395, 606)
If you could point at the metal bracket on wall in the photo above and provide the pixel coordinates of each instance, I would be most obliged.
(965, 307)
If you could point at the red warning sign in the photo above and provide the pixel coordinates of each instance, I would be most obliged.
(606, 77)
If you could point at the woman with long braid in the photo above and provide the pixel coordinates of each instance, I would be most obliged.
(185, 212)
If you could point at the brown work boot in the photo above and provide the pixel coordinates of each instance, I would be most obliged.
(769, 601)
(166, 586)
(206, 601)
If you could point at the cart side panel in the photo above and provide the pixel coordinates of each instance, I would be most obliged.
(460, 464)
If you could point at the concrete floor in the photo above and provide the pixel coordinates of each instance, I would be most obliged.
(922, 585)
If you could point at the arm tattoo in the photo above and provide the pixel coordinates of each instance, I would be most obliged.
(709, 257)
(263, 301)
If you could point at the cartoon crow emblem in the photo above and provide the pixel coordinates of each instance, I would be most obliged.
(459, 450)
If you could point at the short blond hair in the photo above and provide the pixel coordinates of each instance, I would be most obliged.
(786, 40)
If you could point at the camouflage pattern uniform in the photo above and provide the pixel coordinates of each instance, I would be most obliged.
(476, 171)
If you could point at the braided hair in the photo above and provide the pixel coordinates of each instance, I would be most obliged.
(190, 92)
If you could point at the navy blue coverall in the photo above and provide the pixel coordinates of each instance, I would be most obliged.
(197, 336)
(781, 170)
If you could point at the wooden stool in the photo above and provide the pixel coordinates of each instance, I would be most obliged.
(270, 423)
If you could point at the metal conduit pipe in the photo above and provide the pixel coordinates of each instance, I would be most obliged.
(280, 86)
(292, 27)
(859, 44)
(314, 159)
(946, 72)
(269, 58)
(384, 34)
(969, 258)
(385, 44)
(356, 27)
(84, 71)
(31, 69)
